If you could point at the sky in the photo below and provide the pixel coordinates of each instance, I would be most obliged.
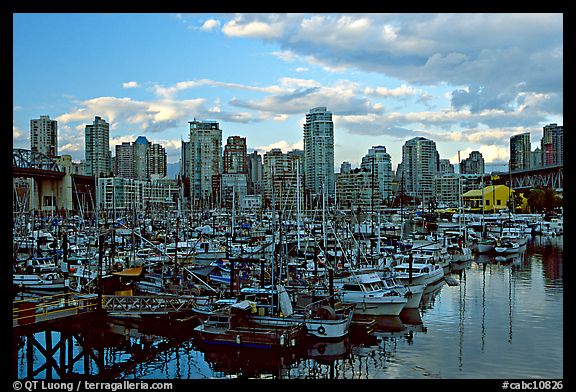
(467, 81)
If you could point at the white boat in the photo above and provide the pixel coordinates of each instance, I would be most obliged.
(413, 292)
(421, 273)
(40, 281)
(321, 320)
(486, 245)
(369, 295)
(507, 247)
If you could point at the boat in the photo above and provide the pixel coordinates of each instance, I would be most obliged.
(485, 245)
(507, 247)
(233, 326)
(39, 281)
(412, 292)
(324, 318)
(369, 295)
(418, 273)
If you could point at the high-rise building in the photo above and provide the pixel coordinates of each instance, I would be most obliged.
(124, 160)
(44, 136)
(235, 155)
(552, 145)
(279, 177)
(379, 162)
(254, 171)
(97, 148)
(141, 148)
(474, 164)
(419, 165)
(353, 189)
(520, 149)
(319, 152)
(205, 159)
(157, 160)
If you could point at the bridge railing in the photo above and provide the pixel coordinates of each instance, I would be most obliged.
(28, 310)
(147, 304)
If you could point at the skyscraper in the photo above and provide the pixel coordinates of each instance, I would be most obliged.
(97, 147)
(254, 170)
(141, 148)
(379, 162)
(44, 136)
(235, 155)
(520, 149)
(319, 152)
(552, 145)
(420, 165)
(157, 160)
(205, 158)
(124, 160)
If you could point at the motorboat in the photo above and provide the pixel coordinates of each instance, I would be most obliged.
(418, 273)
(412, 292)
(507, 247)
(40, 281)
(369, 295)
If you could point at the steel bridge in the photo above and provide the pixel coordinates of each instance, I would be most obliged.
(545, 177)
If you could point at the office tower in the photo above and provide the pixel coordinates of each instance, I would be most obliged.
(345, 167)
(141, 148)
(205, 160)
(97, 147)
(474, 164)
(124, 160)
(279, 177)
(520, 149)
(157, 160)
(44, 136)
(254, 170)
(552, 145)
(235, 155)
(419, 165)
(319, 152)
(379, 162)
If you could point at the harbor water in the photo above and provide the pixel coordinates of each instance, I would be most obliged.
(497, 319)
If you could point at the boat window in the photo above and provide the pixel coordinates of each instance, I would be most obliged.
(351, 287)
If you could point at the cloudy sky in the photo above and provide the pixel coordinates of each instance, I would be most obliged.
(466, 81)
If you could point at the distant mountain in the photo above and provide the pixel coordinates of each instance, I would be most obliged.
(172, 169)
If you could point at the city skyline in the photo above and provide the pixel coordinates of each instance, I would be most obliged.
(469, 82)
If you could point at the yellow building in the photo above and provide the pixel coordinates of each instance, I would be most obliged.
(495, 198)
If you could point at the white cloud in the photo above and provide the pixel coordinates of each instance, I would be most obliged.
(130, 84)
(210, 24)
(281, 144)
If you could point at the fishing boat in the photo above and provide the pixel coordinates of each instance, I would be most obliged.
(39, 281)
(507, 247)
(412, 292)
(485, 245)
(369, 295)
(418, 273)
(233, 326)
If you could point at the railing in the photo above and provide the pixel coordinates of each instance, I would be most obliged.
(27, 311)
(147, 304)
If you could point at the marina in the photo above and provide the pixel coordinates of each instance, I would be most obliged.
(477, 320)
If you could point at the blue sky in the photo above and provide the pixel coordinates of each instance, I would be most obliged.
(467, 81)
